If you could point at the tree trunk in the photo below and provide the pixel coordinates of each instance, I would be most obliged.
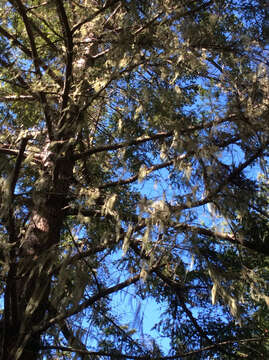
(26, 296)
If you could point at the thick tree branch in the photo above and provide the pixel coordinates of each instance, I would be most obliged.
(17, 167)
(15, 41)
(5, 149)
(122, 145)
(10, 296)
(68, 40)
(36, 60)
(34, 54)
(258, 246)
(87, 303)
(157, 136)
(28, 53)
(44, 36)
(14, 98)
(147, 170)
(25, 98)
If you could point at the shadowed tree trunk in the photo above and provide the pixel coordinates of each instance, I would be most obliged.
(26, 296)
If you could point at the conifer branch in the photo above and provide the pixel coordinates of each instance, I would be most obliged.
(84, 305)
(68, 40)
(115, 354)
(122, 145)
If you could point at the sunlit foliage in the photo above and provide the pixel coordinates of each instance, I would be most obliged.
(133, 153)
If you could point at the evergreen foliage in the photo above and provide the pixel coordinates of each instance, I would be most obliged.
(133, 153)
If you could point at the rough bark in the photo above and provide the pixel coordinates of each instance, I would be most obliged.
(29, 278)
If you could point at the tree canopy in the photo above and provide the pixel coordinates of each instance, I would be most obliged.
(133, 155)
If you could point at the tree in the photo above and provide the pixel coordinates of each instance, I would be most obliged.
(122, 124)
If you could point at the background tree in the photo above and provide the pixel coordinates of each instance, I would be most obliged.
(131, 136)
